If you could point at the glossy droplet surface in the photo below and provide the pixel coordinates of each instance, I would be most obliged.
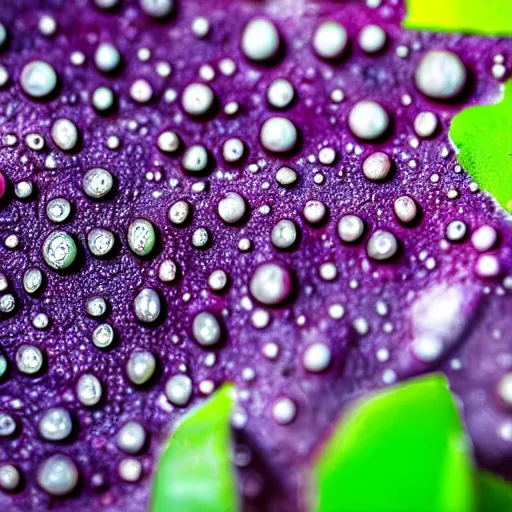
(38, 79)
(58, 475)
(147, 305)
(368, 120)
(278, 135)
(9, 477)
(29, 359)
(441, 75)
(178, 389)
(271, 284)
(56, 424)
(260, 40)
(97, 182)
(141, 237)
(206, 329)
(330, 39)
(59, 250)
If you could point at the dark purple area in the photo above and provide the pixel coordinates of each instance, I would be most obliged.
(480, 341)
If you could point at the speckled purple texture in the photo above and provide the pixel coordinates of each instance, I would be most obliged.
(281, 454)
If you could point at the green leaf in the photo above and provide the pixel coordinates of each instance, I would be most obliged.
(495, 493)
(485, 17)
(402, 450)
(195, 471)
(483, 135)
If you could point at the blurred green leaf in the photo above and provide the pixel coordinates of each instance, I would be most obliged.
(485, 17)
(483, 135)
(195, 473)
(402, 450)
(495, 494)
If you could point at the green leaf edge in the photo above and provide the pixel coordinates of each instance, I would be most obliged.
(210, 482)
(495, 493)
(213, 415)
(479, 17)
(482, 135)
(460, 466)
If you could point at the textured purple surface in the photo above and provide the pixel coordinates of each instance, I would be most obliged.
(479, 338)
